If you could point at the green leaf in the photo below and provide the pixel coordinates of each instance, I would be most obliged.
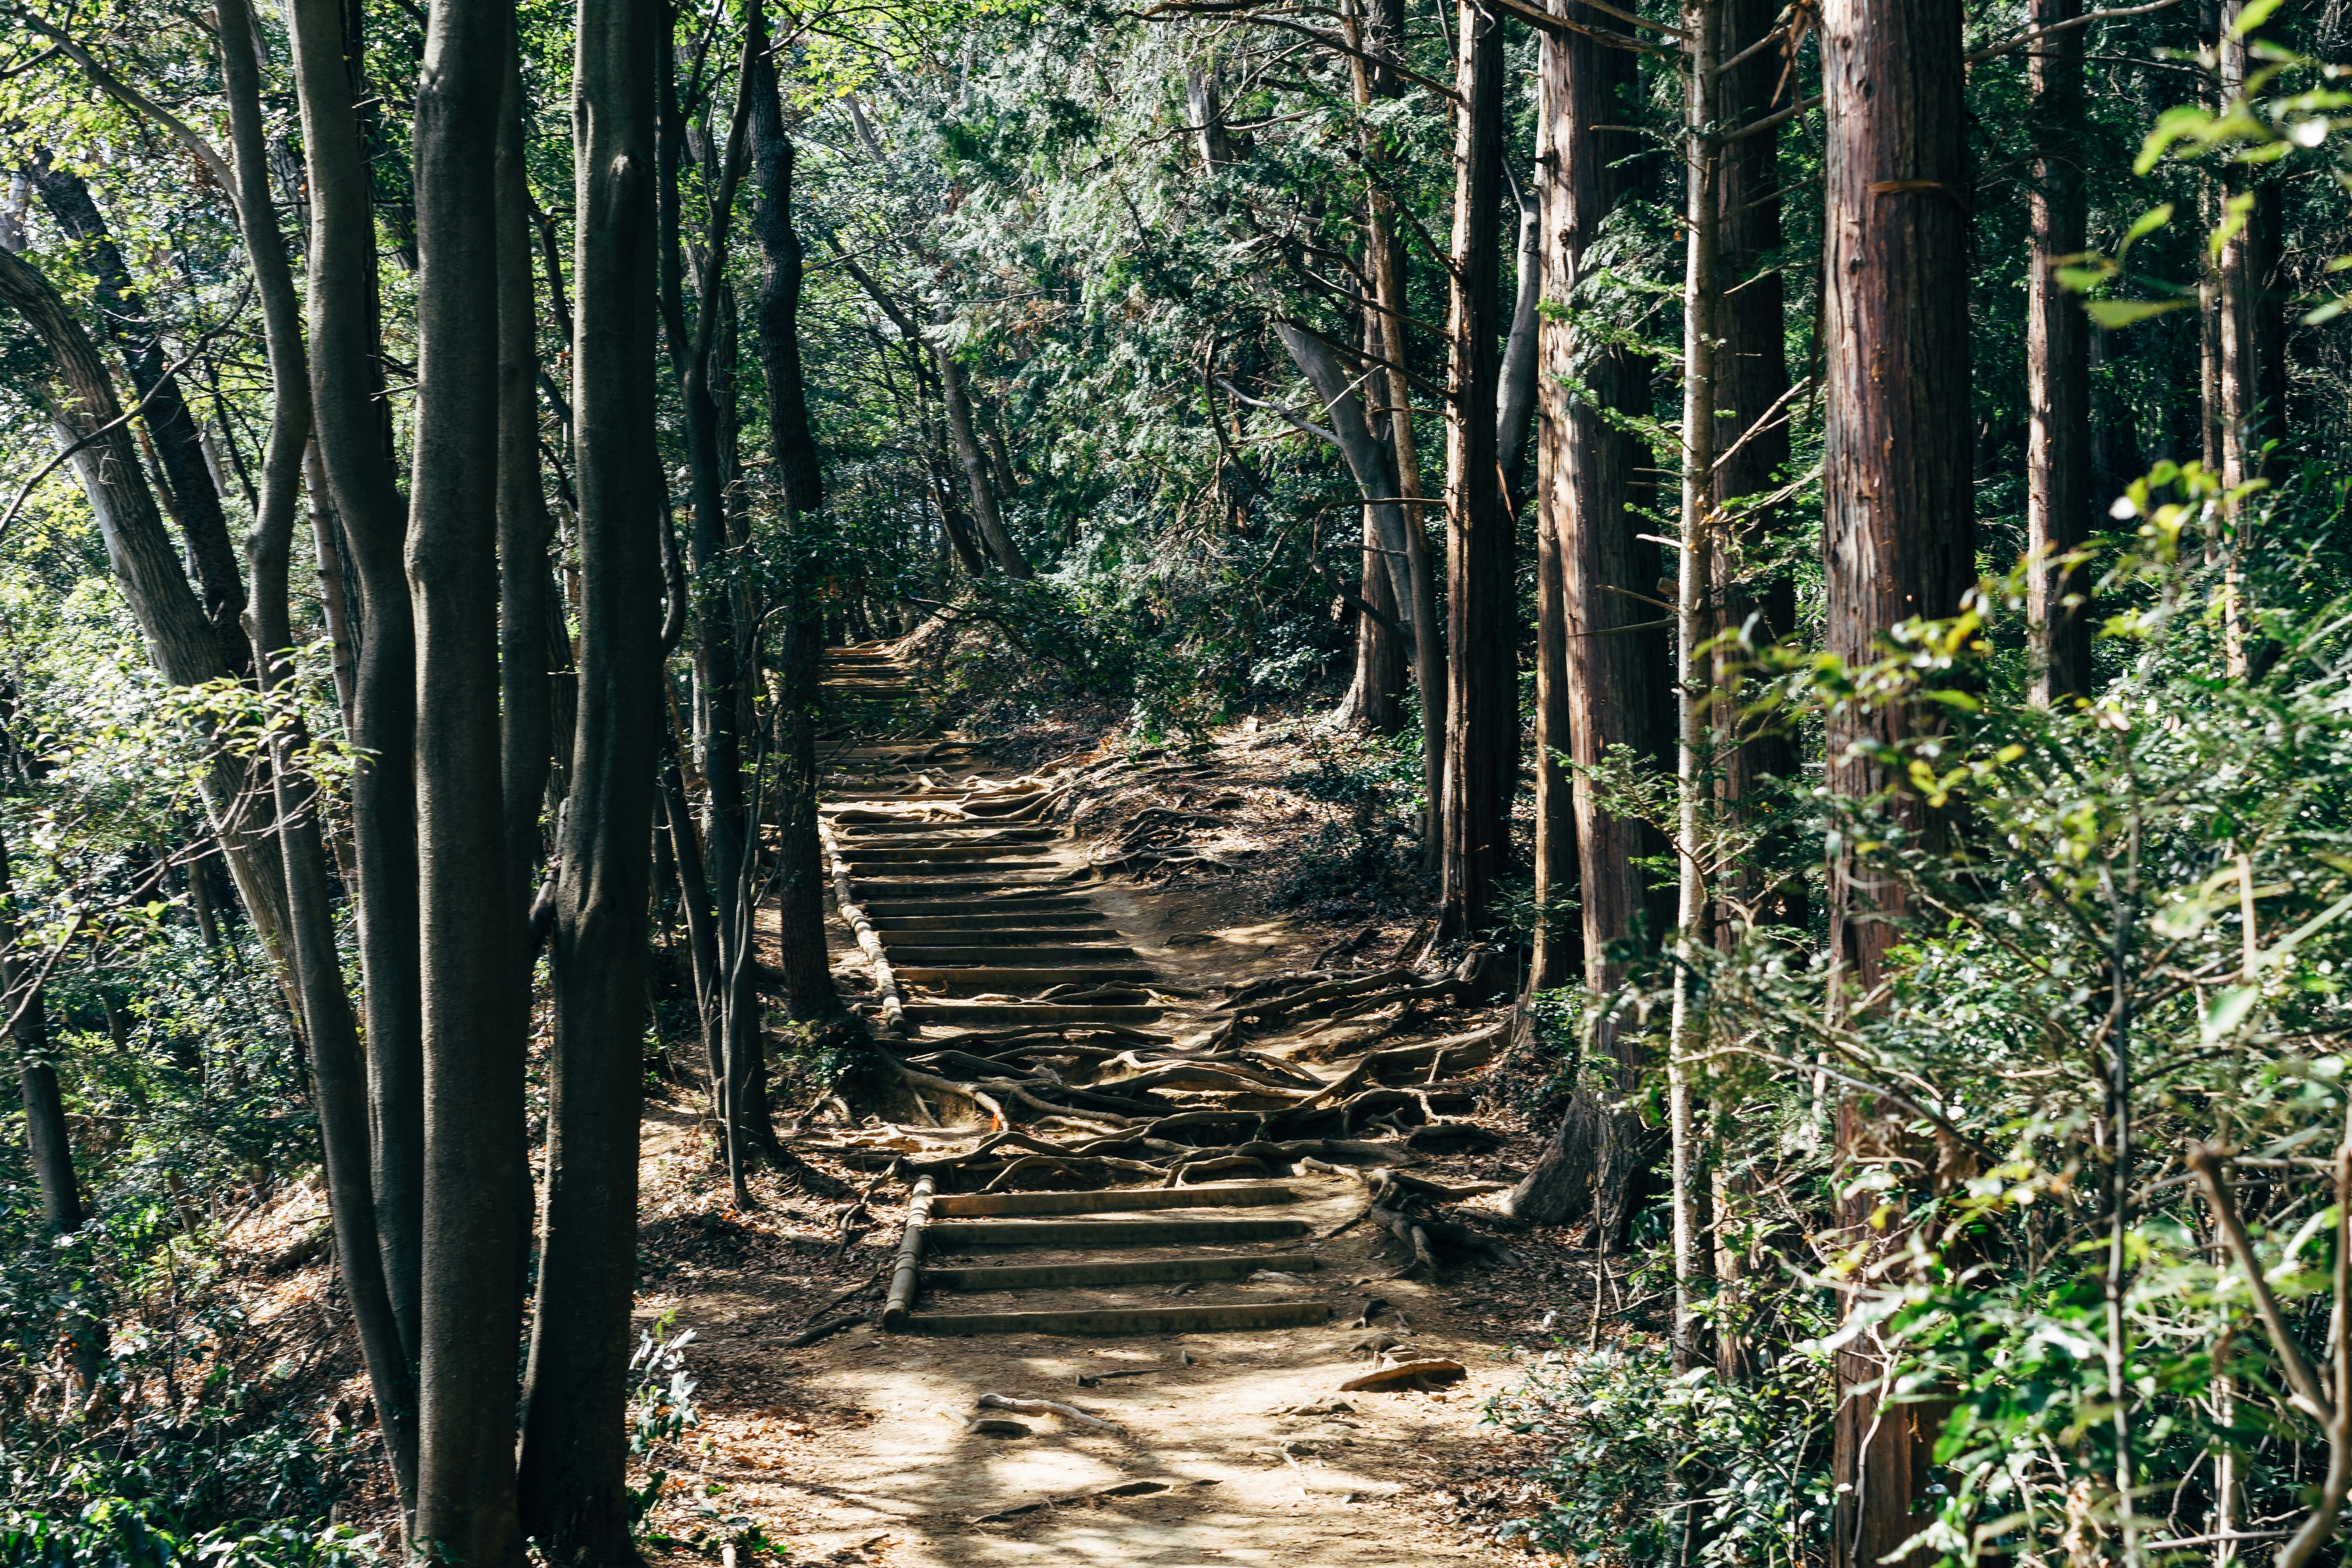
(2114, 313)
(2253, 15)
(2227, 1010)
(2148, 221)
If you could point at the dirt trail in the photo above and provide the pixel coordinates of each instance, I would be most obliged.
(1102, 1021)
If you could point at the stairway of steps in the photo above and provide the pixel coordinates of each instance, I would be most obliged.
(981, 910)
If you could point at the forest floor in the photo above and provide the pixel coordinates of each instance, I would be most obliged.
(1233, 1448)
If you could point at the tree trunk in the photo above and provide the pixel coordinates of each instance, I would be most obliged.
(575, 1447)
(180, 643)
(1482, 709)
(1694, 583)
(526, 714)
(336, 1059)
(475, 1007)
(1370, 705)
(349, 417)
(2251, 351)
(954, 395)
(1898, 541)
(178, 439)
(719, 639)
(335, 592)
(694, 897)
(46, 1139)
(1612, 693)
(1514, 396)
(2057, 367)
(794, 460)
(1752, 438)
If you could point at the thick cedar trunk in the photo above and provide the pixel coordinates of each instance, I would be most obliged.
(957, 398)
(800, 880)
(526, 718)
(178, 440)
(474, 1004)
(348, 416)
(1898, 542)
(1751, 381)
(575, 1449)
(1612, 679)
(2057, 367)
(1482, 707)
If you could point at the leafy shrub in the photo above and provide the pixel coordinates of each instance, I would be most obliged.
(1640, 1451)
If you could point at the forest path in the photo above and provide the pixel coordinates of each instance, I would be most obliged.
(1157, 1232)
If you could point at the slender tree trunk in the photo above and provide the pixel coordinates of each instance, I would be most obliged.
(2057, 367)
(178, 437)
(526, 716)
(795, 461)
(694, 897)
(2251, 363)
(335, 593)
(720, 651)
(336, 1059)
(475, 1006)
(1482, 684)
(1514, 393)
(1693, 582)
(957, 397)
(46, 1139)
(1898, 542)
(1597, 1160)
(1370, 705)
(1383, 38)
(575, 1447)
(348, 419)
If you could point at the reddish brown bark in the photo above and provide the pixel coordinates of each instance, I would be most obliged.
(1898, 540)
(1597, 685)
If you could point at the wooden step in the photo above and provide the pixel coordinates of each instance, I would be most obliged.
(961, 883)
(1117, 1272)
(949, 1234)
(976, 951)
(1219, 1317)
(985, 1015)
(961, 857)
(915, 833)
(1117, 1201)
(984, 913)
(1000, 977)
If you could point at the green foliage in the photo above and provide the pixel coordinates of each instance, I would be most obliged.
(1637, 1449)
